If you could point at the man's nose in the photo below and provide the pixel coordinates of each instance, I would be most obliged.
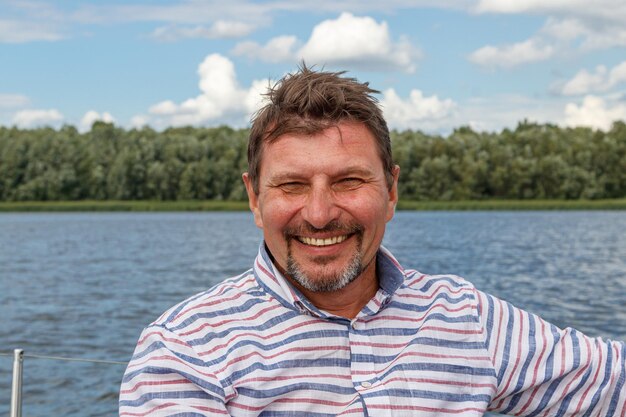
(320, 208)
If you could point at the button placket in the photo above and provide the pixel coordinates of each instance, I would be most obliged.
(363, 370)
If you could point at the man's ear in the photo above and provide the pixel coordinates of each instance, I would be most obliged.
(393, 193)
(253, 200)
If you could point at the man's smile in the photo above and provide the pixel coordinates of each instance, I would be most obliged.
(311, 241)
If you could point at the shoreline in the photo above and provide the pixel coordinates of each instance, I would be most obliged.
(215, 205)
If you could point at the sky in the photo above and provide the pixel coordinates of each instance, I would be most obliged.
(438, 64)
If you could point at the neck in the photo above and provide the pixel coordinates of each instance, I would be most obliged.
(348, 301)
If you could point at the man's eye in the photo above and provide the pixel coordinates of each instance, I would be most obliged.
(348, 183)
(292, 187)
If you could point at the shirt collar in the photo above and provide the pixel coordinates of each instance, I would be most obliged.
(390, 278)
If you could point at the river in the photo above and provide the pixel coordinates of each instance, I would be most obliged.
(83, 285)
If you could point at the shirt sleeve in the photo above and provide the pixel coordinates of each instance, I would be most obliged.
(542, 370)
(166, 377)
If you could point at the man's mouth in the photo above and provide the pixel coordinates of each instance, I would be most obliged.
(311, 241)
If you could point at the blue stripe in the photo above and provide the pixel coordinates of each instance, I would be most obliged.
(532, 347)
(313, 364)
(619, 386)
(233, 310)
(507, 344)
(156, 370)
(167, 395)
(420, 308)
(291, 388)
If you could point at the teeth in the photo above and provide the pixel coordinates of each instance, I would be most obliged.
(322, 242)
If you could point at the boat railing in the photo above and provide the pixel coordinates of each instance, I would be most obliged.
(18, 365)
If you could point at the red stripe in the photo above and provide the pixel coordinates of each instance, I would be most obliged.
(595, 378)
(163, 338)
(208, 304)
(153, 383)
(421, 408)
(414, 319)
(172, 358)
(539, 361)
(455, 331)
(434, 291)
(492, 387)
(152, 410)
(284, 352)
(574, 379)
(258, 336)
(518, 357)
(227, 321)
(498, 327)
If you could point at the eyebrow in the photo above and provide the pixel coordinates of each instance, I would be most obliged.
(343, 172)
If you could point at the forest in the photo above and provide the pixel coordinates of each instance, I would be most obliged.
(532, 161)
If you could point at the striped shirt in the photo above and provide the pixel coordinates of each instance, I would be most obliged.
(424, 345)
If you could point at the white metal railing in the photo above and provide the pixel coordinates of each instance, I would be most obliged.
(18, 365)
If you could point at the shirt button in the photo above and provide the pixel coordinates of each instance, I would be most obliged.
(354, 325)
(366, 384)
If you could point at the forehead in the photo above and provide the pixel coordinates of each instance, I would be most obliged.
(347, 144)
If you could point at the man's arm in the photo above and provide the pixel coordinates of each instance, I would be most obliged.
(545, 371)
(166, 377)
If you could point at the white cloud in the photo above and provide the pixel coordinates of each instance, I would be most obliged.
(21, 31)
(614, 10)
(494, 113)
(599, 81)
(34, 118)
(357, 42)
(278, 49)
(221, 99)
(570, 24)
(564, 29)
(594, 112)
(91, 116)
(219, 30)
(507, 56)
(13, 101)
(417, 111)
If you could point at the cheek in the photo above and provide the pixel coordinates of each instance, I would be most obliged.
(277, 214)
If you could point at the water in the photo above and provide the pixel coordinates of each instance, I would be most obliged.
(84, 285)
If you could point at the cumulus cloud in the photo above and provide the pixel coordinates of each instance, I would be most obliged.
(417, 111)
(507, 56)
(570, 24)
(599, 81)
(278, 49)
(219, 30)
(92, 116)
(221, 99)
(595, 112)
(35, 118)
(357, 42)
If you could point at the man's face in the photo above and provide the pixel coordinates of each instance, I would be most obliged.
(323, 204)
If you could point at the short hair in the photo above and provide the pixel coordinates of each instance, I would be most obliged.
(309, 101)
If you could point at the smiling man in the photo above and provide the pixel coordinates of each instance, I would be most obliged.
(328, 323)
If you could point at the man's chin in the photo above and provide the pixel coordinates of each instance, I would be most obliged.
(323, 276)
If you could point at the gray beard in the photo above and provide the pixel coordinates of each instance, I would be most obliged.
(326, 281)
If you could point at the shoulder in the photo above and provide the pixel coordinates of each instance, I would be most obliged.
(230, 297)
(416, 280)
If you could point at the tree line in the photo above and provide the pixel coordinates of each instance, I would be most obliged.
(532, 161)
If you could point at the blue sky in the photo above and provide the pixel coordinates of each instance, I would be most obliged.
(438, 64)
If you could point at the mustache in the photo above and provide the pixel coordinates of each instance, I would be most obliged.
(307, 228)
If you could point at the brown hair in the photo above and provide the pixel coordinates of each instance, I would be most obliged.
(308, 102)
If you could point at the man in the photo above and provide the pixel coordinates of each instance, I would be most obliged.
(328, 323)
